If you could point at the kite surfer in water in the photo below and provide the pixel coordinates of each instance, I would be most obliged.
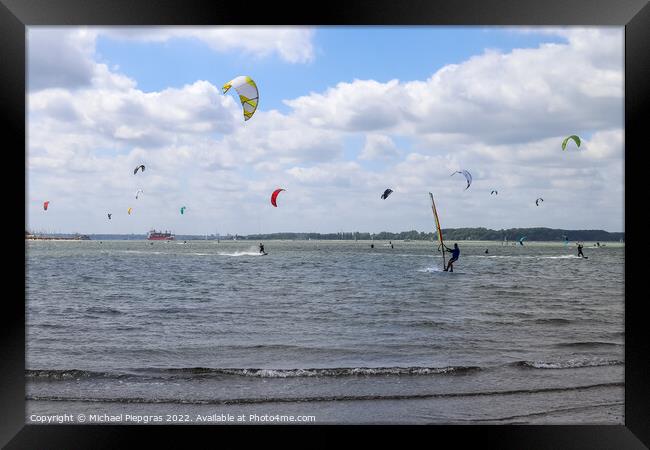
(455, 253)
(580, 251)
(262, 248)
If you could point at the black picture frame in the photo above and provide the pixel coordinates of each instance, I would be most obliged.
(15, 15)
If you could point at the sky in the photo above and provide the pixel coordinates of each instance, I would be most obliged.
(344, 113)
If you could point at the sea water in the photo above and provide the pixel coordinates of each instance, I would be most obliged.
(324, 332)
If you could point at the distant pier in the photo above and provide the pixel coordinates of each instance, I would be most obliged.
(76, 237)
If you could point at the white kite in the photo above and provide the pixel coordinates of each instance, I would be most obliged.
(248, 94)
(466, 174)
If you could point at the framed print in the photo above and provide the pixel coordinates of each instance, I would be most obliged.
(367, 217)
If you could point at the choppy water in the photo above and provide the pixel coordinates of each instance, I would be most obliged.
(332, 329)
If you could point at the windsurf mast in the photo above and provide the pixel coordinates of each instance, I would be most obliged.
(438, 230)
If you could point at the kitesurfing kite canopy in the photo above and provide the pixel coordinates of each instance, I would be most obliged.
(248, 93)
(183, 210)
(521, 240)
(45, 205)
(141, 166)
(138, 192)
(538, 200)
(386, 193)
(274, 197)
(466, 174)
(129, 211)
(575, 138)
(109, 216)
(494, 192)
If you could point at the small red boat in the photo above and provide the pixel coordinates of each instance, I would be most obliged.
(154, 235)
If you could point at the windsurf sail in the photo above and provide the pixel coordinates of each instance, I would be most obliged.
(441, 247)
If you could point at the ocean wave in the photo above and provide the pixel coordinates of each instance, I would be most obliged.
(547, 412)
(68, 374)
(525, 256)
(48, 325)
(338, 372)
(589, 344)
(562, 257)
(437, 270)
(332, 398)
(552, 320)
(192, 372)
(570, 364)
(432, 323)
(170, 310)
(103, 310)
(249, 253)
(328, 372)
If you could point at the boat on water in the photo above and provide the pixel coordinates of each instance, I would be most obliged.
(154, 235)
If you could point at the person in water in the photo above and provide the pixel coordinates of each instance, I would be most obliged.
(580, 251)
(262, 248)
(486, 251)
(455, 253)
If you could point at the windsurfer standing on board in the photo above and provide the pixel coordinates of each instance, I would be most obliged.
(455, 253)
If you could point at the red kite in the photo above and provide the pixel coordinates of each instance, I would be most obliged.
(274, 197)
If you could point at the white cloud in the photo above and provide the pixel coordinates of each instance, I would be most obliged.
(378, 146)
(357, 106)
(59, 59)
(65, 57)
(120, 113)
(494, 97)
(292, 44)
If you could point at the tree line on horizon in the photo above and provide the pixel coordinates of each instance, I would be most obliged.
(449, 234)
(457, 234)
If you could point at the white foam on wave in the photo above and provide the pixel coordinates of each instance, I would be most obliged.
(139, 251)
(525, 256)
(246, 253)
(570, 364)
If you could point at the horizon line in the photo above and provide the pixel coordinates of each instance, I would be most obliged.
(337, 232)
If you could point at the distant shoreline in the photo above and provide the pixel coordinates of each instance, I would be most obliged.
(451, 234)
(379, 243)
